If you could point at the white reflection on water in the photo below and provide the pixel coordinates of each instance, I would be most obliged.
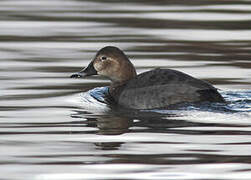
(201, 35)
(36, 28)
(194, 16)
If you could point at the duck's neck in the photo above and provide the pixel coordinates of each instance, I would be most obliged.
(124, 73)
(123, 77)
(115, 89)
(118, 84)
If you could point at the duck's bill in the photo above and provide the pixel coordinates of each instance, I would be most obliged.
(88, 71)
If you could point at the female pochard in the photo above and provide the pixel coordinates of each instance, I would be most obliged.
(158, 88)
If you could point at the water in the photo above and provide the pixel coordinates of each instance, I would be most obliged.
(50, 129)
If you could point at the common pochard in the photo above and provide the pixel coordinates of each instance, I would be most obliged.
(158, 88)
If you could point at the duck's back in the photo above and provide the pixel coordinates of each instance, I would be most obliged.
(161, 88)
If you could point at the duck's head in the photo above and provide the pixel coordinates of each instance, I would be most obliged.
(110, 62)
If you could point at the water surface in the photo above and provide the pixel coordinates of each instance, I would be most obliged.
(50, 129)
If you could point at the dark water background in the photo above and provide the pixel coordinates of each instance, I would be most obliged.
(49, 130)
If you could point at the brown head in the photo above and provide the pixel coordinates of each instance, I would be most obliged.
(110, 62)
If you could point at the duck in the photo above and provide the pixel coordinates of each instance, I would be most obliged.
(159, 88)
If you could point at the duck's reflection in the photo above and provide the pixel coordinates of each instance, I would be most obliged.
(113, 125)
(118, 122)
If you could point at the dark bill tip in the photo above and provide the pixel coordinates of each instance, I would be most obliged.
(77, 75)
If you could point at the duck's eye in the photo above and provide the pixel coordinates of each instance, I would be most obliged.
(103, 58)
